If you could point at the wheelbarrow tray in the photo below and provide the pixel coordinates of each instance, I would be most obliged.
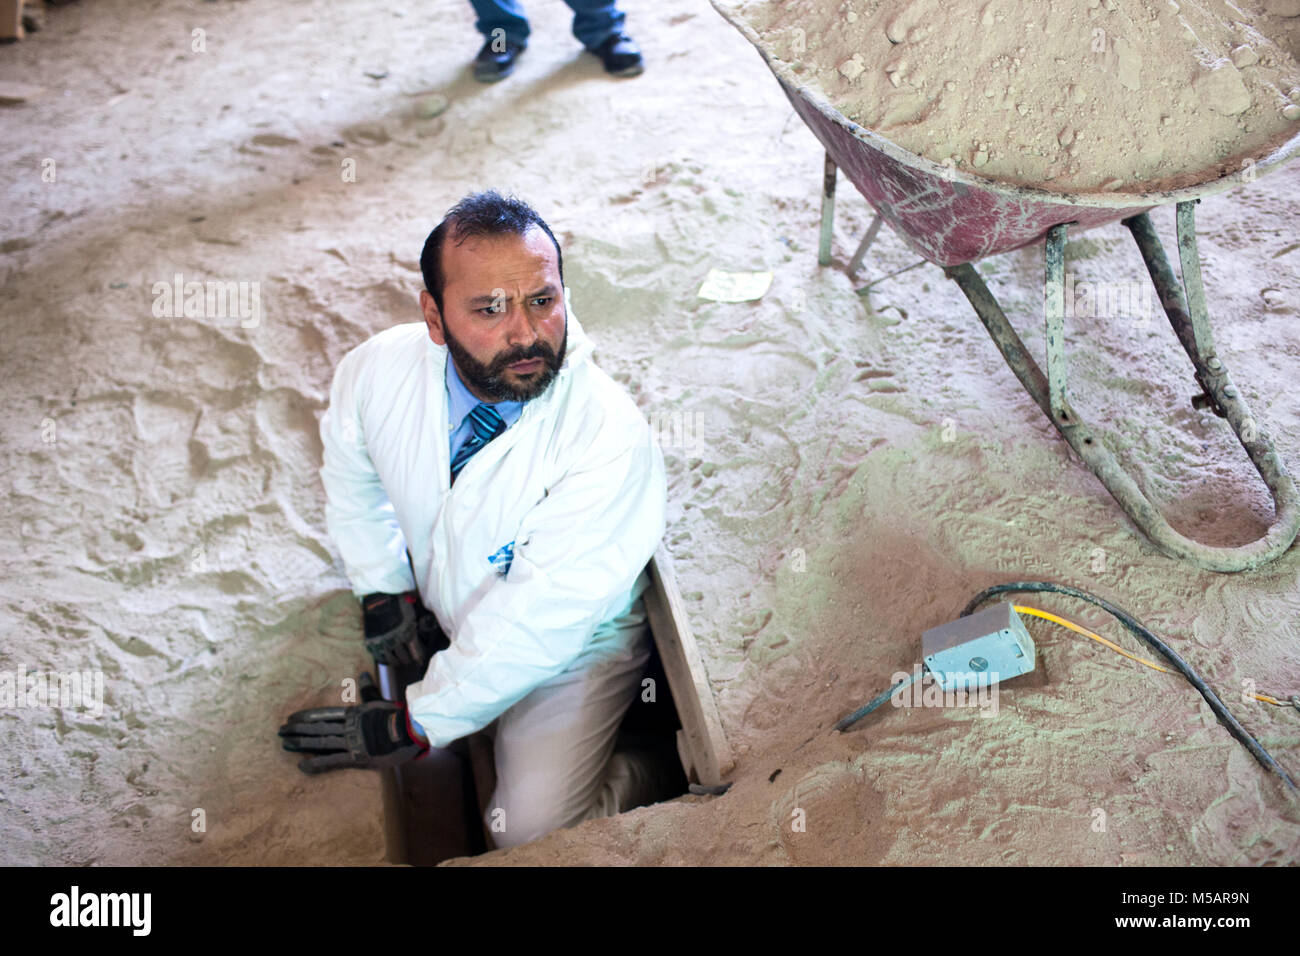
(952, 218)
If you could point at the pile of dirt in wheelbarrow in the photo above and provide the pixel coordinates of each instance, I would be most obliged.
(1084, 96)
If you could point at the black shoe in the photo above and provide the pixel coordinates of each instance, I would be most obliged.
(491, 65)
(621, 56)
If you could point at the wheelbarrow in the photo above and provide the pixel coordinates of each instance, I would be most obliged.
(953, 218)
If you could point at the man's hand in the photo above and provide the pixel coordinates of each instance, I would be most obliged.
(399, 631)
(370, 735)
(389, 621)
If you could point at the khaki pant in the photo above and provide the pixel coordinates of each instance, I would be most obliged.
(553, 751)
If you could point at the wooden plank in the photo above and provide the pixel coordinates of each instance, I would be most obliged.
(684, 755)
(701, 736)
(11, 19)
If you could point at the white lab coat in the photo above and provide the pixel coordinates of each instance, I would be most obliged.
(577, 485)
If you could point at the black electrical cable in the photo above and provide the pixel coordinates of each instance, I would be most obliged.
(853, 718)
(1250, 743)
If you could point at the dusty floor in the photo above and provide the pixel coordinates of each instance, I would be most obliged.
(861, 468)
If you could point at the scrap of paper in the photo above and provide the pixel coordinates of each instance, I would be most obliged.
(722, 286)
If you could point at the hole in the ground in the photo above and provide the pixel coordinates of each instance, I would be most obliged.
(435, 808)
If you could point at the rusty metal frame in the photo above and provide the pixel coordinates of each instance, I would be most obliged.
(1188, 316)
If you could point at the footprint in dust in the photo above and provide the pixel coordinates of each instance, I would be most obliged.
(877, 379)
(272, 140)
(1275, 300)
(367, 134)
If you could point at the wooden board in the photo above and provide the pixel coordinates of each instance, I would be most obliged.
(11, 19)
(706, 755)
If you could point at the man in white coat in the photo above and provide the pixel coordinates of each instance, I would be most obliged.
(526, 487)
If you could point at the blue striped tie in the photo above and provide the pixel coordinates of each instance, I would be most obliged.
(487, 425)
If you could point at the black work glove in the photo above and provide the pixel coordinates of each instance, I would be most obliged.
(390, 634)
(369, 735)
(399, 630)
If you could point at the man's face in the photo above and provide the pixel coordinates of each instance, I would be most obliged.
(502, 317)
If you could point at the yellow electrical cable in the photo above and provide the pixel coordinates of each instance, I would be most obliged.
(1271, 700)
(1048, 616)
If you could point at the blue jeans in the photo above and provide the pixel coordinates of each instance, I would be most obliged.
(594, 21)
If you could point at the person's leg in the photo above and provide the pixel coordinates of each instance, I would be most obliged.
(595, 21)
(637, 777)
(505, 15)
(505, 29)
(553, 749)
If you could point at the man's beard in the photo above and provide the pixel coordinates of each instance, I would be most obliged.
(489, 379)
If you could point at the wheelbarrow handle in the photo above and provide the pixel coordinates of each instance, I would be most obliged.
(1191, 325)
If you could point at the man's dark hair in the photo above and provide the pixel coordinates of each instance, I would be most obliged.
(479, 214)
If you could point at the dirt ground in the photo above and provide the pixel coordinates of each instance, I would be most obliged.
(857, 468)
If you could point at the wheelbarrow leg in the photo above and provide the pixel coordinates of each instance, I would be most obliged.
(863, 290)
(872, 231)
(829, 175)
(1054, 314)
(1189, 318)
(829, 171)
(1194, 334)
